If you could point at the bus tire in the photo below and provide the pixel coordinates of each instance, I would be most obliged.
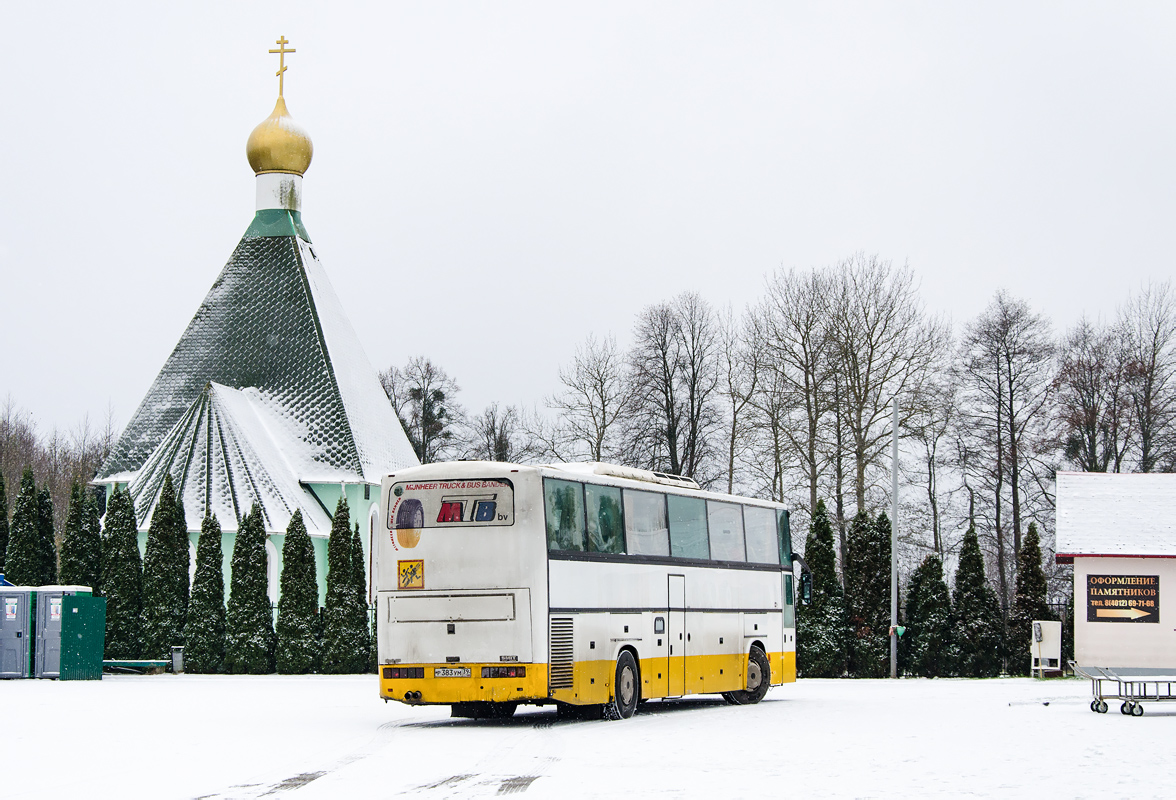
(626, 688)
(759, 677)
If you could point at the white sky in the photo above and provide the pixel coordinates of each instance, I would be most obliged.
(493, 181)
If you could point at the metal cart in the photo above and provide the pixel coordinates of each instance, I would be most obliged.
(1132, 686)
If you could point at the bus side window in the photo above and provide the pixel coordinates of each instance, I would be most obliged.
(659, 624)
(725, 521)
(687, 527)
(646, 531)
(564, 504)
(606, 529)
(760, 524)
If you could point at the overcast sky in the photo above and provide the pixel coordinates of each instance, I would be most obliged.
(493, 181)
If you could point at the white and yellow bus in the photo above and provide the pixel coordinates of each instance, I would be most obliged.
(591, 586)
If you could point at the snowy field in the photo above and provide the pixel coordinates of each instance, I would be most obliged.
(218, 737)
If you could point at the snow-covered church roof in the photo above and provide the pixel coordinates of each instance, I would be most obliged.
(1111, 514)
(271, 383)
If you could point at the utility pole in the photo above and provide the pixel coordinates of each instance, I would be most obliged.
(894, 542)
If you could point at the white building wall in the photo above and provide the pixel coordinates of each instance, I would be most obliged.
(1125, 644)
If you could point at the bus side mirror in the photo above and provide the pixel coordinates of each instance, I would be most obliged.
(806, 588)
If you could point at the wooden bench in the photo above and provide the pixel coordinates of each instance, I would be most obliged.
(137, 666)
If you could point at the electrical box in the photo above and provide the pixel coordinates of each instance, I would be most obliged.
(1045, 648)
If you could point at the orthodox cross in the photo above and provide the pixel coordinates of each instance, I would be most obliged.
(281, 51)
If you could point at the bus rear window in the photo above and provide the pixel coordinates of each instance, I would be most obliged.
(451, 504)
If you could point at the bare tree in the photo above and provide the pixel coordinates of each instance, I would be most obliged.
(1149, 320)
(794, 320)
(424, 399)
(741, 363)
(673, 381)
(501, 434)
(932, 427)
(1094, 407)
(884, 346)
(590, 407)
(1006, 361)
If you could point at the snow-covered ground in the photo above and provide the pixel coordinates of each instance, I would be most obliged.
(194, 736)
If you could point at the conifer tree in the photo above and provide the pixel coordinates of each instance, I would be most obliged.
(204, 632)
(820, 626)
(977, 614)
(867, 581)
(24, 560)
(297, 646)
(165, 576)
(92, 533)
(3, 522)
(249, 646)
(359, 581)
(928, 639)
(1029, 603)
(46, 539)
(81, 546)
(345, 646)
(122, 578)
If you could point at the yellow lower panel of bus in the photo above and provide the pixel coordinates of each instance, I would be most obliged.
(442, 684)
(707, 674)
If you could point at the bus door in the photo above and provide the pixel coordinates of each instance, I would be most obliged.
(676, 634)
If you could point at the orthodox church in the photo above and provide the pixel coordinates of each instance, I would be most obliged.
(268, 397)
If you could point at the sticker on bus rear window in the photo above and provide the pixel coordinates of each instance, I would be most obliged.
(415, 505)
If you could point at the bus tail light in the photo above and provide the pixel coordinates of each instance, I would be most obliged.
(504, 672)
(404, 672)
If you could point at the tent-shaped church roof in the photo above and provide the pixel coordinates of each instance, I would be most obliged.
(268, 389)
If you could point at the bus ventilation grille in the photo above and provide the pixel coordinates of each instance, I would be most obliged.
(562, 655)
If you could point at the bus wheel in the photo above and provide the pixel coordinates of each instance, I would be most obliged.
(626, 689)
(759, 675)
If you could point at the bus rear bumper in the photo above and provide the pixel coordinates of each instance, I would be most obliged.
(445, 684)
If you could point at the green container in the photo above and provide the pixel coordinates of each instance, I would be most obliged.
(83, 637)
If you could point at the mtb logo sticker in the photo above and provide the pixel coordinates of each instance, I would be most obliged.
(411, 574)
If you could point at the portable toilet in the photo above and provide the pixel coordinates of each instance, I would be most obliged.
(83, 637)
(49, 617)
(1045, 647)
(16, 631)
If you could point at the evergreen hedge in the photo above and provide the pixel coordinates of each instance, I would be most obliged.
(821, 632)
(867, 581)
(122, 578)
(978, 624)
(3, 522)
(165, 576)
(249, 646)
(345, 630)
(24, 559)
(928, 642)
(1029, 602)
(46, 538)
(297, 642)
(204, 632)
(81, 544)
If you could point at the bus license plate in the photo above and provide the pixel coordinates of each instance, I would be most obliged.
(451, 672)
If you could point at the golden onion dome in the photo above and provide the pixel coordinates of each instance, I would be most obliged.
(278, 144)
